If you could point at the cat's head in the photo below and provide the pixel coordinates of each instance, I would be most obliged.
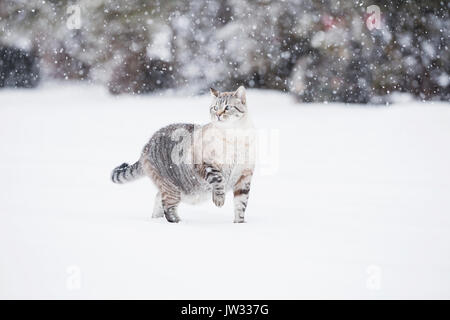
(228, 107)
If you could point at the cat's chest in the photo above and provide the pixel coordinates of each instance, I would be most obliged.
(227, 147)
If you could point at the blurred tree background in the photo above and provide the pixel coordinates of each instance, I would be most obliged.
(317, 50)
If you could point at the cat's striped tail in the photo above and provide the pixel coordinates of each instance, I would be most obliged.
(126, 173)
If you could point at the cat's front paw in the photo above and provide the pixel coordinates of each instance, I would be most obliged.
(218, 199)
(172, 218)
(239, 220)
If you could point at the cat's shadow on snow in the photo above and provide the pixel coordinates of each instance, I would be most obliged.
(200, 218)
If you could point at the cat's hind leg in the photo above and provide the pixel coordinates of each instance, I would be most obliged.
(168, 193)
(158, 211)
(170, 199)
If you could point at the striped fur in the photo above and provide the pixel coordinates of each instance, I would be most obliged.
(214, 176)
(126, 173)
(184, 170)
(241, 192)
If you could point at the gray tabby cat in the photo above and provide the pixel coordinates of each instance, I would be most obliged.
(191, 163)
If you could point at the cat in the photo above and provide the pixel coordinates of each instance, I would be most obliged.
(190, 163)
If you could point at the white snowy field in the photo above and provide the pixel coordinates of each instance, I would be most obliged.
(358, 206)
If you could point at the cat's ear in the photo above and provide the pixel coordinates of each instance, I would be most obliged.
(240, 93)
(214, 92)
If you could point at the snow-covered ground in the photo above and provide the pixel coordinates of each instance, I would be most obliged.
(357, 207)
